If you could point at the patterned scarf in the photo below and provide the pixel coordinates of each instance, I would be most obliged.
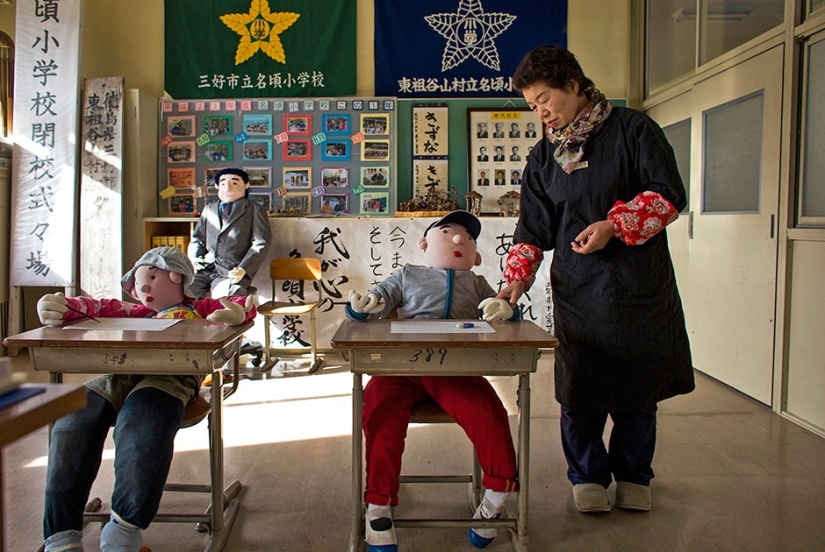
(572, 138)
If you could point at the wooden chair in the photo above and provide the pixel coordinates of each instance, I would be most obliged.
(306, 273)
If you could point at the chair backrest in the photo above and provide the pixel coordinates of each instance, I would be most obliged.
(292, 268)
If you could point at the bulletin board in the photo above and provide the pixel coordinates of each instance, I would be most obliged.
(305, 157)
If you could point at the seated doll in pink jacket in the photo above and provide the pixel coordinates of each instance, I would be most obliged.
(445, 287)
(146, 411)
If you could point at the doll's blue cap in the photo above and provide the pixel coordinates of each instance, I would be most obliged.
(465, 219)
(164, 258)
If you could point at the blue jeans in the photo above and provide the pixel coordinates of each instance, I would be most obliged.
(144, 438)
(631, 447)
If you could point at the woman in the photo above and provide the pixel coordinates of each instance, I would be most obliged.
(599, 191)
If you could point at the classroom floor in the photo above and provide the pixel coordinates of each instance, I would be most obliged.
(730, 475)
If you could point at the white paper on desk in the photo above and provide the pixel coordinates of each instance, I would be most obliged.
(135, 324)
(439, 326)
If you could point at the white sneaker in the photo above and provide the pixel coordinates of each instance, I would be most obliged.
(380, 532)
(481, 537)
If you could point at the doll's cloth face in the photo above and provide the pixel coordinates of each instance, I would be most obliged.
(231, 188)
(450, 246)
(158, 289)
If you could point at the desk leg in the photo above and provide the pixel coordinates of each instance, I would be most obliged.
(356, 539)
(519, 538)
(222, 514)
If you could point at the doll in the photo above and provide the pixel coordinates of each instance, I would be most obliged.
(231, 239)
(145, 410)
(445, 288)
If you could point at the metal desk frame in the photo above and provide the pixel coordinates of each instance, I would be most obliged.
(188, 347)
(512, 350)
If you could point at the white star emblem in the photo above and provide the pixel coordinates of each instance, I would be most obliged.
(470, 32)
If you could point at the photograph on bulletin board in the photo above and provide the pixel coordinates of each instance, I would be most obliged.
(257, 150)
(335, 177)
(498, 140)
(296, 203)
(209, 174)
(375, 124)
(334, 203)
(262, 199)
(297, 177)
(297, 150)
(337, 124)
(181, 152)
(375, 177)
(218, 150)
(259, 177)
(335, 150)
(183, 204)
(298, 125)
(181, 126)
(217, 125)
(374, 203)
(430, 175)
(430, 130)
(375, 150)
(182, 179)
(257, 124)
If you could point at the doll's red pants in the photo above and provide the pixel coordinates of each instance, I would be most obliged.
(472, 403)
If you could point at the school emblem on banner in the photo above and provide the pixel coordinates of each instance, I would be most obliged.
(260, 48)
(463, 48)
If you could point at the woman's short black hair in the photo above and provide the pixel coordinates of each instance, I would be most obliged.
(552, 65)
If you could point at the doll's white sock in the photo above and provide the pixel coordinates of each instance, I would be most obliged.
(120, 536)
(65, 541)
(493, 503)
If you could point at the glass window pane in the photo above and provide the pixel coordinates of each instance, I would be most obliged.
(730, 23)
(733, 152)
(671, 45)
(813, 162)
(678, 134)
(816, 4)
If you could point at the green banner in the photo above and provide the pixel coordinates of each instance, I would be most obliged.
(260, 48)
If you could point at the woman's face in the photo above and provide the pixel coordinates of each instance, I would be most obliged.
(555, 107)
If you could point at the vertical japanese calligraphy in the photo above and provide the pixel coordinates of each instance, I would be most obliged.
(101, 193)
(45, 142)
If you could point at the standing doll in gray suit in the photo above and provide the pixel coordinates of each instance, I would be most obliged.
(230, 241)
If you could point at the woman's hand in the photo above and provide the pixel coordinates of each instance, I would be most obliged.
(512, 293)
(594, 237)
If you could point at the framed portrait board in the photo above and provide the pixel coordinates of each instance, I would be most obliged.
(180, 152)
(498, 140)
(375, 124)
(375, 150)
(262, 199)
(217, 125)
(217, 150)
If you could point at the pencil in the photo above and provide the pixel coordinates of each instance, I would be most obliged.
(82, 313)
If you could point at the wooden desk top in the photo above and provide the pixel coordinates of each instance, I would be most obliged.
(186, 334)
(28, 415)
(376, 333)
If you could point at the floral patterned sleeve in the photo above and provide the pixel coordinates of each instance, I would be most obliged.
(641, 218)
(522, 264)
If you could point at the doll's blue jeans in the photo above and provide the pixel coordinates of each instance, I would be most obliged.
(144, 436)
